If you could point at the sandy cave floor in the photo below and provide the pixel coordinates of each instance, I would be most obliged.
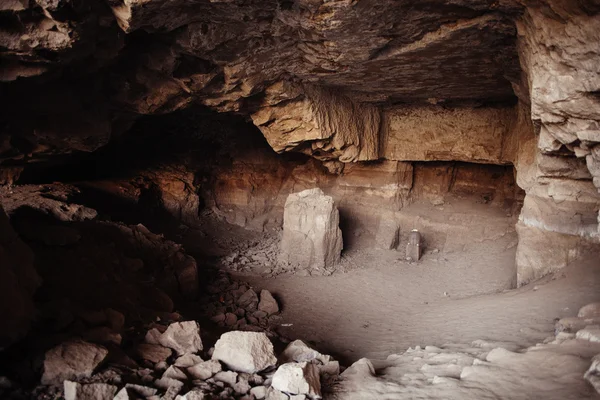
(375, 303)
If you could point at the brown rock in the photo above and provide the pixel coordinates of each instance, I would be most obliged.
(72, 360)
(268, 303)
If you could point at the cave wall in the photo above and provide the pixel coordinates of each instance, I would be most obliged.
(347, 83)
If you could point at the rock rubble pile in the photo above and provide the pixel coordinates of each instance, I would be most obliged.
(171, 363)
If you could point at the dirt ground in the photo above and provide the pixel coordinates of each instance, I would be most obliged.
(376, 303)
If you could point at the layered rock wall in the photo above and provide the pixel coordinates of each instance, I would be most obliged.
(561, 58)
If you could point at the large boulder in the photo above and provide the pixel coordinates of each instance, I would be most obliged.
(312, 238)
(72, 360)
(248, 352)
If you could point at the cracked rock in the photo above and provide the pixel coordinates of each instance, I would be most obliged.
(72, 360)
(248, 352)
(298, 378)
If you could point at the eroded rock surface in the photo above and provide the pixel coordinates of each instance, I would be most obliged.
(311, 238)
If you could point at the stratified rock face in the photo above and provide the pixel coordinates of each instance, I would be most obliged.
(311, 238)
(560, 57)
(320, 123)
(18, 282)
(101, 63)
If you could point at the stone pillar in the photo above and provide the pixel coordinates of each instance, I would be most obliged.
(311, 238)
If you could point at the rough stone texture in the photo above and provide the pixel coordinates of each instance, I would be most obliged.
(72, 360)
(91, 391)
(183, 337)
(388, 232)
(248, 352)
(555, 37)
(18, 282)
(440, 134)
(298, 378)
(205, 369)
(592, 375)
(320, 123)
(268, 303)
(311, 238)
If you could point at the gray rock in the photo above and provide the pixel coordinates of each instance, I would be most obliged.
(228, 377)
(259, 392)
(205, 369)
(311, 237)
(187, 360)
(268, 303)
(245, 351)
(72, 360)
(183, 337)
(174, 372)
(195, 394)
(298, 378)
(274, 394)
(91, 391)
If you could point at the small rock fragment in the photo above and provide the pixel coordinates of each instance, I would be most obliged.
(72, 360)
(259, 392)
(245, 351)
(183, 337)
(92, 391)
(205, 369)
(242, 386)
(195, 394)
(174, 373)
(187, 360)
(298, 378)
(274, 394)
(268, 304)
(228, 377)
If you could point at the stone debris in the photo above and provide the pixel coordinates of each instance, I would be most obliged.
(227, 377)
(591, 333)
(248, 352)
(298, 379)
(72, 360)
(311, 237)
(183, 337)
(205, 369)
(92, 391)
(235, 305)
(188, 360)
(268, 303)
